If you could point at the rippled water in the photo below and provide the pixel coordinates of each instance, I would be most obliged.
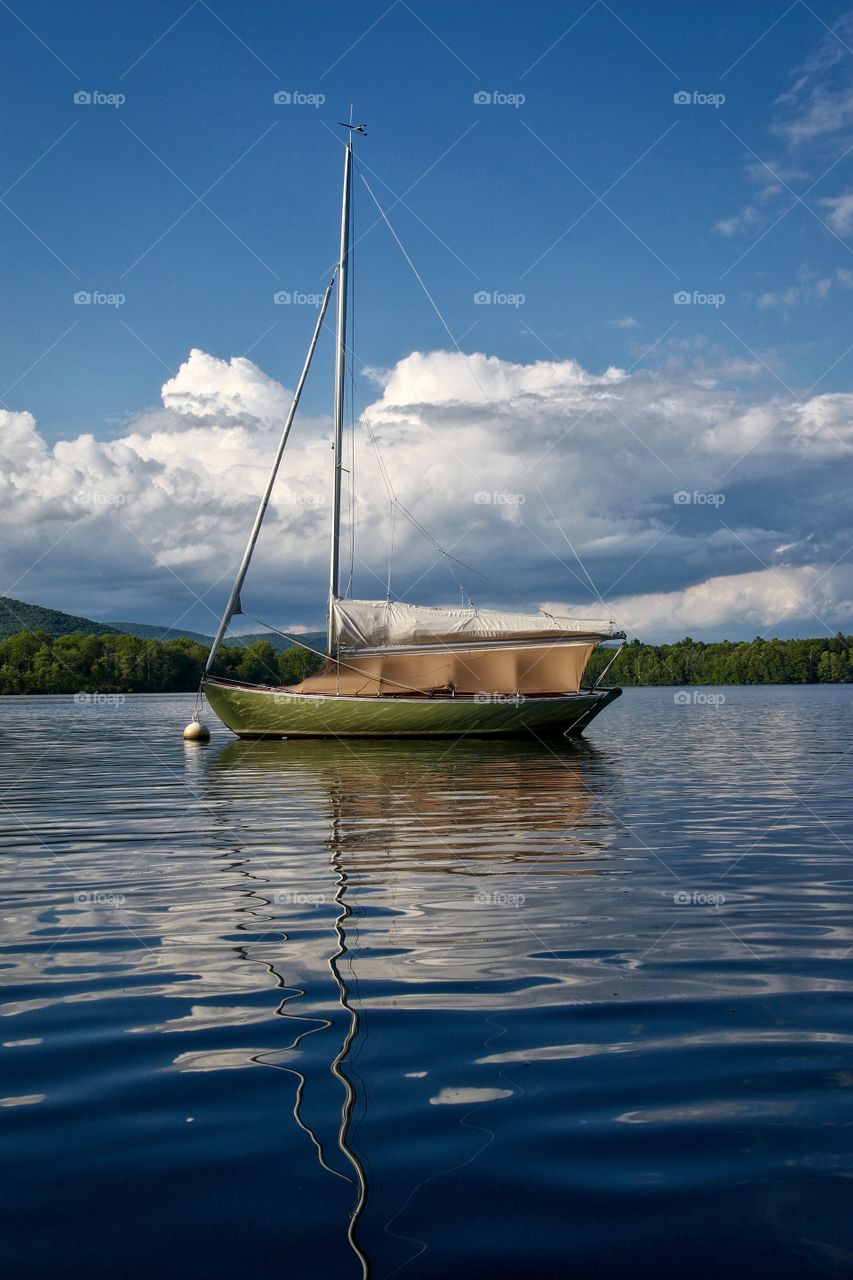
(483, 1009)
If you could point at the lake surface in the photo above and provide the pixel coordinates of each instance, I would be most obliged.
(430, 1010)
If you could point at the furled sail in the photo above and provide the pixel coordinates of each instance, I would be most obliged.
(383, 624)
(503, 670)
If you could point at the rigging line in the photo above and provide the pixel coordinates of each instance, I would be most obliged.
(390, 493)
(419, 279)
(390, 553)
(471, 370)
(408, 515)
(571, 547)
(287, 636)
(383, 472)
(386, 477)
(395, 502)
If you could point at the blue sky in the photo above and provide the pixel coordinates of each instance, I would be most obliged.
(583, 187)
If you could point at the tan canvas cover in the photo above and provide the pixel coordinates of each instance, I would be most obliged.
(525, 669)
(374, 624)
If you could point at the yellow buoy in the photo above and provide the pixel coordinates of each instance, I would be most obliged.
(196, 732)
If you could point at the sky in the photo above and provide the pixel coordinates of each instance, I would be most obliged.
(618, 385)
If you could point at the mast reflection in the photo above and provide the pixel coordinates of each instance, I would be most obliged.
(386, 808)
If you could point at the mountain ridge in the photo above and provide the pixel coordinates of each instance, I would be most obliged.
(18, 615)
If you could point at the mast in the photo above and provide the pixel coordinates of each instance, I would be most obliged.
(340, 378)
(233, 605)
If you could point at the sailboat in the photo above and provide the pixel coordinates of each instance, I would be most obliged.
(396, 669)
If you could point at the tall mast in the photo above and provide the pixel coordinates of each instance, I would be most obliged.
(340, 377)
(233, 605)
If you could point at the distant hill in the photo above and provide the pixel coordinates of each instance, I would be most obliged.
(16, 615)
(145, 631)
(315, 639)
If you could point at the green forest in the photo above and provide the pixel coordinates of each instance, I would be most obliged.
(825, 661)
(34, 662)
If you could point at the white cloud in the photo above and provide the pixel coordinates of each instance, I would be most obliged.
(505, 463)
(813, 287)
(818, 112)
(766, 599)
(208, 389)
(817, 108)
(840, 216)
(742, 221)
(812, 125)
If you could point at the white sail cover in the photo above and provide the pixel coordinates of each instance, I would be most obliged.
(381, 624)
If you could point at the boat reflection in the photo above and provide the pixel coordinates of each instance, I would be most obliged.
(392, 818)
(445, 808)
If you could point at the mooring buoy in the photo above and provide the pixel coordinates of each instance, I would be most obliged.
(196, 732)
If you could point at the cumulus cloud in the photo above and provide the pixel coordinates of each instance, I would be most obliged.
(767, 599)
(210, 390)
(672, 499)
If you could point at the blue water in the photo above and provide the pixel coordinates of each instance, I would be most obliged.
(430, 1010)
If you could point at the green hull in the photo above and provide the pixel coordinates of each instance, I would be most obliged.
(254, 711)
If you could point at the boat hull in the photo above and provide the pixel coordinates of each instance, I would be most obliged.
(257, 711)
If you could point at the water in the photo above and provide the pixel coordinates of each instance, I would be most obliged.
(429, 1010)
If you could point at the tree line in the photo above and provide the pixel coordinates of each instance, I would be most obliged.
(759, 661)
(34, 662)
